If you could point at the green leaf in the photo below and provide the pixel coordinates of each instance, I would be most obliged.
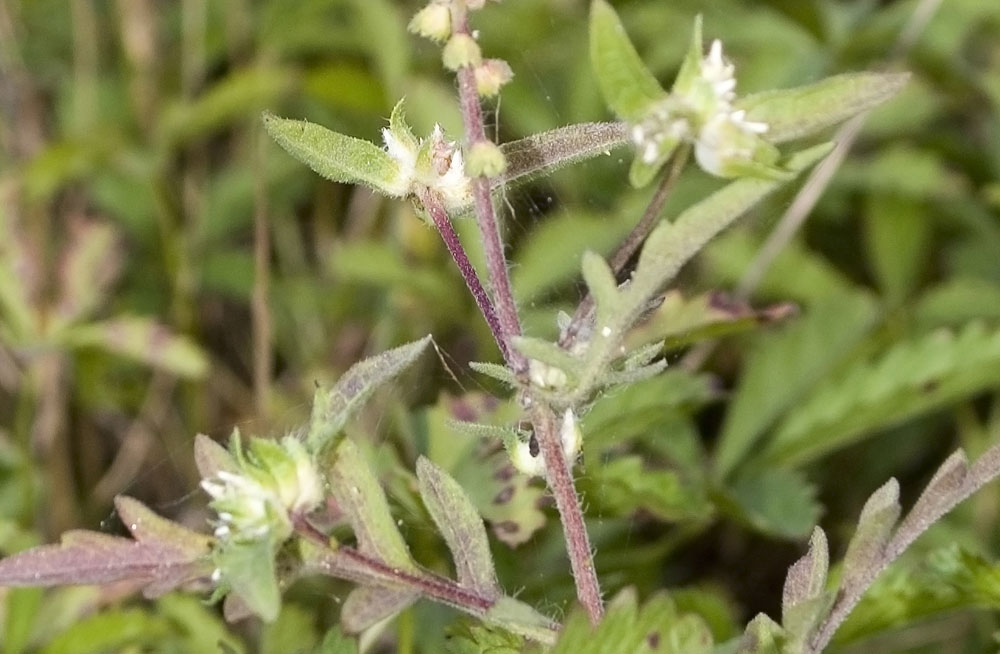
(87, 268)
(910, 378)
(626, 84)
(762, 636)
(332, 409)
(496, 371)
(601, 282)
(141, 339)
(521, 619)
(248, 569)
(625, 485)
(958, 301)
(805, 110)
(21, 619)
(460, 525)
(293, 631)
(362, 499)
(544, 153)
(774, 501)
(547, 352)
(897, 235)
(681, 321)
(798, 357)
(336, 156)
(110, 631)
(335, 642)
(656, 627)
(148, 527)
(805, 601)
(210, 457)
(468, 637)
(865, 551)
(368, 605)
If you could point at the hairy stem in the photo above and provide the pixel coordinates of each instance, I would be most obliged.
(560, 480)
(496, 262)
(631, 244)
(435, 209)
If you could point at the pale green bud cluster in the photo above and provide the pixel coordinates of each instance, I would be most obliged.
(274, 481)
(433, 21)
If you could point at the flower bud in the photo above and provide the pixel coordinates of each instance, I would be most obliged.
(485, 160)
(461, 51)
(432, 22)
(491, 75)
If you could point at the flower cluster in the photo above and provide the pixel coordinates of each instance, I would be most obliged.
(269, 483)
(525, 454)
(700, 110)
(434, 162)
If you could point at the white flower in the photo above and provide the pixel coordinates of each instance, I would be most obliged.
(700, 110)
(434, 162)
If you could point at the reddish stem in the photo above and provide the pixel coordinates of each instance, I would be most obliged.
(435, 208)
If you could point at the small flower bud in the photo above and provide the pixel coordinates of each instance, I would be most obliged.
(461, 51)
(545, 376)
(491, 75)
(432, 22)
(485, 160)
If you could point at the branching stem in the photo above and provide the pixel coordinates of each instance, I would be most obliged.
(435, 209)
(496, 262)
(632, 242)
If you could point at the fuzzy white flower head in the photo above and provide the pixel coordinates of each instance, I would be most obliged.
(433, 162)
(246, 508)
(700, 110)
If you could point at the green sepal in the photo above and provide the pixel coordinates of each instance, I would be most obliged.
(628, 87)
(248, 570)
(691, 66)
(548, 353)
(399, 128)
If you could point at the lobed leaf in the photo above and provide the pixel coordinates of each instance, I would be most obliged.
(626, 84)
(460, 525)
(805, 110)
(335, 156)
(912, 377)
(799, 356)
(655, 627)
(332, 409)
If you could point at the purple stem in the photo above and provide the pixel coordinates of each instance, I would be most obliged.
(435, 208)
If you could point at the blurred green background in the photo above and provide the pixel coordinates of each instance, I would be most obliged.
(165, 270)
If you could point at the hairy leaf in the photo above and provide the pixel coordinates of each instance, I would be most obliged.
(776, 501)
(248, 568)
(211, 458)
(626, 84)
(783, 366)
(368, 605)
(362, 499)
(681, 321)
(332, 409)
(805, 110)
(86, 557)
(460, 525)
(805, 600)
(624, 485)
(468, 637)
(762, 636)
(335, 156)
(601, 282)
(912, 377)
(541, 154)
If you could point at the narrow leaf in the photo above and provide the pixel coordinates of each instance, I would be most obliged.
(367, 605)
(362, 499)
(332, 410)
(878, 518)
(626, 84)
(336, 156)
(546, 352)
(805, 110)
(461, 527)
(497, 372)
(148, 527)
(541, 154)
(86, 270)
(807, 577)
(211, 458)
(144, 340)
(601, 282)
